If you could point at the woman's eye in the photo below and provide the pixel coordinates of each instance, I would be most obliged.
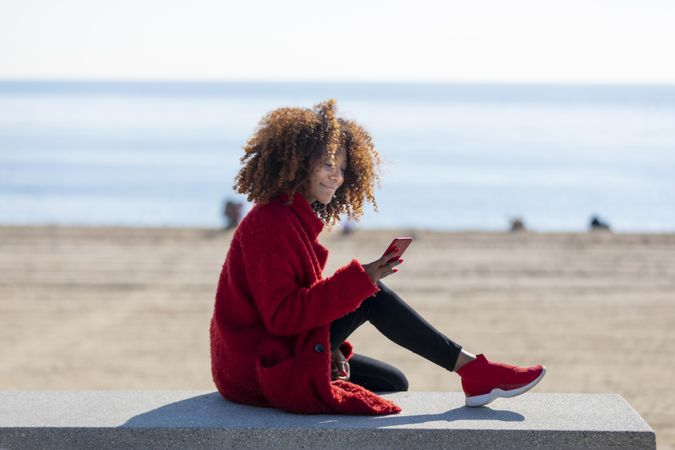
(330, 166)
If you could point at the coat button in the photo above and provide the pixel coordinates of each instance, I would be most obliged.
(319, 348)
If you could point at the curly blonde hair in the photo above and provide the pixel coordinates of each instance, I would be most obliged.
(288, 142)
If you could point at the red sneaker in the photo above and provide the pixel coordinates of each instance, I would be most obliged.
(484, 381)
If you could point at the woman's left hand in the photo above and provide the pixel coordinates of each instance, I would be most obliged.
(339, 367)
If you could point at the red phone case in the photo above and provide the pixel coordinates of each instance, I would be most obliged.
(400, 243)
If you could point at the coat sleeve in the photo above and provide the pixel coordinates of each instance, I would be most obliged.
(271, 259)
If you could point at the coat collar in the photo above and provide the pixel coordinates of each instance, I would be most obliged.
(301, 207)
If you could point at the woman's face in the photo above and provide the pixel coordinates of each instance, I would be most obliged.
(325, 180)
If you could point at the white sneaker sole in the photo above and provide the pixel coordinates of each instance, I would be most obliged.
(482, 400)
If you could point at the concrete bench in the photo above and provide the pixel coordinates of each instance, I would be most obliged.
(188, 419)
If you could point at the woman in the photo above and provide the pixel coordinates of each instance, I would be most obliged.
(279, 328)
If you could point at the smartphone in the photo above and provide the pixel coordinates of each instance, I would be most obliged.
(399, 245)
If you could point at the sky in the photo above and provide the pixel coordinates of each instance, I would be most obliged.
(578, 41)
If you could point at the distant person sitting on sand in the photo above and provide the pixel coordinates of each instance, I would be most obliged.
(348, 226)
(232, 212)
(598, 224)
(279, 328)
(517, 224)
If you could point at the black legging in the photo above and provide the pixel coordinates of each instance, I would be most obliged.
(402, 325)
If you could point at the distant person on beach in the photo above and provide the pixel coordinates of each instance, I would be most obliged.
(279, 328)
(232, 212)
(598, 224)
(348, 226)
(517, 224)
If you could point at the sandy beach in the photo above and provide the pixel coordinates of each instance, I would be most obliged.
(129, 308)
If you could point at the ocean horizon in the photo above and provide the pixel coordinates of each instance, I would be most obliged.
(455, 156)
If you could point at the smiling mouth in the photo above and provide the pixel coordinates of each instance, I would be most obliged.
(328, 187)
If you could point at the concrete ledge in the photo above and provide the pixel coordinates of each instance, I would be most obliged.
(187, 419)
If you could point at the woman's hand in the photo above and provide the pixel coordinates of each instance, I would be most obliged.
(339, 368)
(379, 269)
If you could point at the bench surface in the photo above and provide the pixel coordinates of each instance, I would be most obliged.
(180, 419)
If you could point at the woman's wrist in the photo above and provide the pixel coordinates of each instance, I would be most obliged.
(339, 366)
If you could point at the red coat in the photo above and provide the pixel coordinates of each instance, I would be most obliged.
(271, 322)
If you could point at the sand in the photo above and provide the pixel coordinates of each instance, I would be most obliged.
(120, 308)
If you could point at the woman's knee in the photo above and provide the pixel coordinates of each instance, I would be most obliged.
(377, 375)
(388, 383)
(398, 381)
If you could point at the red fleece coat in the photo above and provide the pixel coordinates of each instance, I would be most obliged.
(271, 321)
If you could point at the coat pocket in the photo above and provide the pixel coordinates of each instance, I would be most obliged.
(291, 383)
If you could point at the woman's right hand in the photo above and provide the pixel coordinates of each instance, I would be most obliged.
(379, 269)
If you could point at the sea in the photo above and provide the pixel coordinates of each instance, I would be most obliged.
(454, 156)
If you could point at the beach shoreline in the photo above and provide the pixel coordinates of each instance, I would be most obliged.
(128, 308)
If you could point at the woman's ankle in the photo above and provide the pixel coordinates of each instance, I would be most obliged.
(463, 359)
